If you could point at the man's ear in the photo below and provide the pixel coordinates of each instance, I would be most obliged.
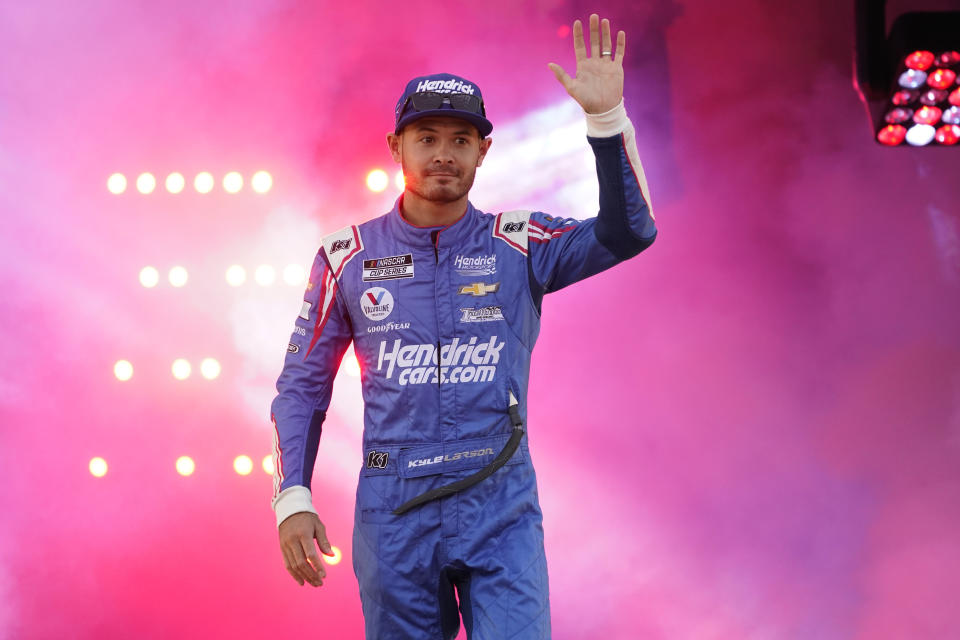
(393, 141)
(484, 147)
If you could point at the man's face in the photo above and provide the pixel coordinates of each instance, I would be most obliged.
(439, 157)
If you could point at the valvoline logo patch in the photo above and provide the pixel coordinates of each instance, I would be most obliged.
(376, 303)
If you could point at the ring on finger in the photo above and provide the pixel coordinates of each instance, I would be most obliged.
(606, 53)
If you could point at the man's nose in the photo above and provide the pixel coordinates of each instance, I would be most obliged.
(443, 152)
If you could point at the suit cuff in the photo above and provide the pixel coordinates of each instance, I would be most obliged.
(292, 500)
(608, 124)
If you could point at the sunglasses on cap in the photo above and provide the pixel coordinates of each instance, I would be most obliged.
(430, 100)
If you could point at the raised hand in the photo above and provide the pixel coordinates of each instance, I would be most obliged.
(598, 85)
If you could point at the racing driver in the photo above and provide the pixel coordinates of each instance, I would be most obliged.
(442, 304)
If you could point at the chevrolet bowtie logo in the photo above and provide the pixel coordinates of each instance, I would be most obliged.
(478, 288)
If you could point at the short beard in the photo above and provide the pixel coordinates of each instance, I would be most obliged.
(443, 194)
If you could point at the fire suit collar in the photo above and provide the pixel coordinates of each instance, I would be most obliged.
(450, 234)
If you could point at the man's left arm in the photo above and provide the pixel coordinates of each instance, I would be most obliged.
(563, 251)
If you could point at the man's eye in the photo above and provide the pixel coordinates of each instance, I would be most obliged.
(426, 139)
(461, 140)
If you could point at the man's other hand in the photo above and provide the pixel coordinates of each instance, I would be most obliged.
(297, 534)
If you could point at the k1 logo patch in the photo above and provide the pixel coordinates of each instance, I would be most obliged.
(378, 459)
(341, 245)
(376, 303)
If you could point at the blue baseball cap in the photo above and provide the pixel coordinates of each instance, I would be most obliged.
(442, 94)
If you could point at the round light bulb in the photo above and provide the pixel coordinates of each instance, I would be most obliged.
(117, 183)
(123, 370)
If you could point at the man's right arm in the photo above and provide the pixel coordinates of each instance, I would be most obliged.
(319, 340)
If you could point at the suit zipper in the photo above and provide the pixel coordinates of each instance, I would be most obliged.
(435, 237)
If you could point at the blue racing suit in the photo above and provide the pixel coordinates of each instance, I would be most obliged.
(443, 322)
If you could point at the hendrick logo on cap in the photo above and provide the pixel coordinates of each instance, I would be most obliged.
(445, 86)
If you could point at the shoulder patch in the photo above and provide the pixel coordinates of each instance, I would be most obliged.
(341, 246)
(512, 227)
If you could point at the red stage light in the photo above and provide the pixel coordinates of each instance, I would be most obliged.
(927, 115)
(920, 60)
(948, 58)
(933, 96)
(892, 135)
(948, 134)
(898, 115)
(941, 78)
(954, 98)
(904, 97)
(563, 31)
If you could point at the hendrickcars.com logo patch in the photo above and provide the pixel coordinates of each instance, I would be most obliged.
(458, 362)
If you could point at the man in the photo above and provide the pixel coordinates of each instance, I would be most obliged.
(442, 303)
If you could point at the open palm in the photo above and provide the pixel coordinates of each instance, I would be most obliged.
(598, 85)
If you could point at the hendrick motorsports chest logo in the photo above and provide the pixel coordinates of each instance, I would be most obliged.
(376, 303)
(476, 265)
(389, 268)
(459, 361)
(478, 289)
(483, 314)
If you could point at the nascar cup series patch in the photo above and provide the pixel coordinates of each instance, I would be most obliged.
(376, 303)
(389, 268)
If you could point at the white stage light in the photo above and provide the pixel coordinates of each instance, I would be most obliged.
(294, 274)
(203, 183)
(98, 467)
(146, 183)
(232, 182)
(117, 184)
(210, 368)
(377, 180)
(185, 465)
(180, 369)
(175, 182)
(261, 182)
(123, 370)
(236, 275)
(149, 277)
(265, 275)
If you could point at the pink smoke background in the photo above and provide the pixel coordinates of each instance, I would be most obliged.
(750, 431)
